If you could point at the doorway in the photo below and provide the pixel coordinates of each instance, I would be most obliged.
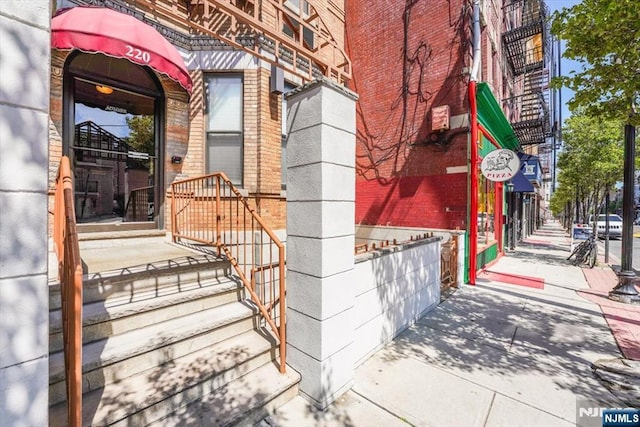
(114, 139)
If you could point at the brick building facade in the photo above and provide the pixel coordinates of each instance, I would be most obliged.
(414, 58)
(183, 149)
(408, 173)
(411, 65)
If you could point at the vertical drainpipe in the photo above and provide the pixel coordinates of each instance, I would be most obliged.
(499, 215)
(473, 164)
(473, 174)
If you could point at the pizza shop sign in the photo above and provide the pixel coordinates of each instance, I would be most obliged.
(500, 165)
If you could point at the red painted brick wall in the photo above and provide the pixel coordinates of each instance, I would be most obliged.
(437, 201)
(407, 57)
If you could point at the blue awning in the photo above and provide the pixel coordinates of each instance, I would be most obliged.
(530, 167)
(521, 184)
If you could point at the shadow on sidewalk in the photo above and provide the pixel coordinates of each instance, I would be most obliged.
(485, 332)
(536, 257)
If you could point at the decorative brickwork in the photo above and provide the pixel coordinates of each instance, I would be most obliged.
(176, 138)
(270, 108)
(251, 117)
(194, 161)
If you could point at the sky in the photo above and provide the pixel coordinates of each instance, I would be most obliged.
(565, 65)
(109, 120)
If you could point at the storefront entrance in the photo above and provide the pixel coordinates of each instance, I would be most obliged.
(112, 136)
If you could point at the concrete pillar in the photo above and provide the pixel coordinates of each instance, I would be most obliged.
(321, 125)
(24, 293)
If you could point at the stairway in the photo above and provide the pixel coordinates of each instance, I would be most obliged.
(169, 341)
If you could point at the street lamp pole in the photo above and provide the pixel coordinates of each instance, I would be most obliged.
(625, 291)
(606, 235)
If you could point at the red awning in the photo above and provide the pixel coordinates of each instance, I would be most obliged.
(97, 29)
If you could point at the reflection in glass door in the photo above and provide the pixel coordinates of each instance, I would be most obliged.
(114, 149)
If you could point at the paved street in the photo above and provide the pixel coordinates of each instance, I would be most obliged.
(615, 249)
(495, 354)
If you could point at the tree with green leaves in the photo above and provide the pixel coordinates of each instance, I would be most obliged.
(604, 37)
(590, 162)
(141, 134)
(561, 203)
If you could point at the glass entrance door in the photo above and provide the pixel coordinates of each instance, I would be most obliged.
(114, 153)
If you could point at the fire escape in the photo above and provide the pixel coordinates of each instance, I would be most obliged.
(291, 34)
(525, 41)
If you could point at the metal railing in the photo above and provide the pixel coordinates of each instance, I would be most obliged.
(140, 206)
(210, 211)
(65, 239)
(449, 261)
(366, 247)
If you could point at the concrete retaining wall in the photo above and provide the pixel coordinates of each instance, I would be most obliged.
(24, 291)
(395, 286)
(368, 234)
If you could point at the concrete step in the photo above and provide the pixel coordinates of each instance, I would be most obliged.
(95, 227)
(118, 357)
(242, 402)
(137, 282)
(164, 336)
(159, 391)
(114, 239)
(101, 320)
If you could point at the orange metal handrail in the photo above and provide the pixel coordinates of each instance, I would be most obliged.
(65, 239)
(449, 262)
(209, 210)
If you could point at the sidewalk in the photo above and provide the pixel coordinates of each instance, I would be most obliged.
(496, 353)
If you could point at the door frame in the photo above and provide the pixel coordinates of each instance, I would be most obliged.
(68, 121)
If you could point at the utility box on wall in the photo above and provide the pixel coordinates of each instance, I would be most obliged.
(440, 118)
(276, 80)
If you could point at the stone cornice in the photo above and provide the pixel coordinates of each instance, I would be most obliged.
(322, 81)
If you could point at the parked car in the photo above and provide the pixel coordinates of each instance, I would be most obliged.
(615, 225)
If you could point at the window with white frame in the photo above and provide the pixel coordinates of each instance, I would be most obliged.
(224, 125)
